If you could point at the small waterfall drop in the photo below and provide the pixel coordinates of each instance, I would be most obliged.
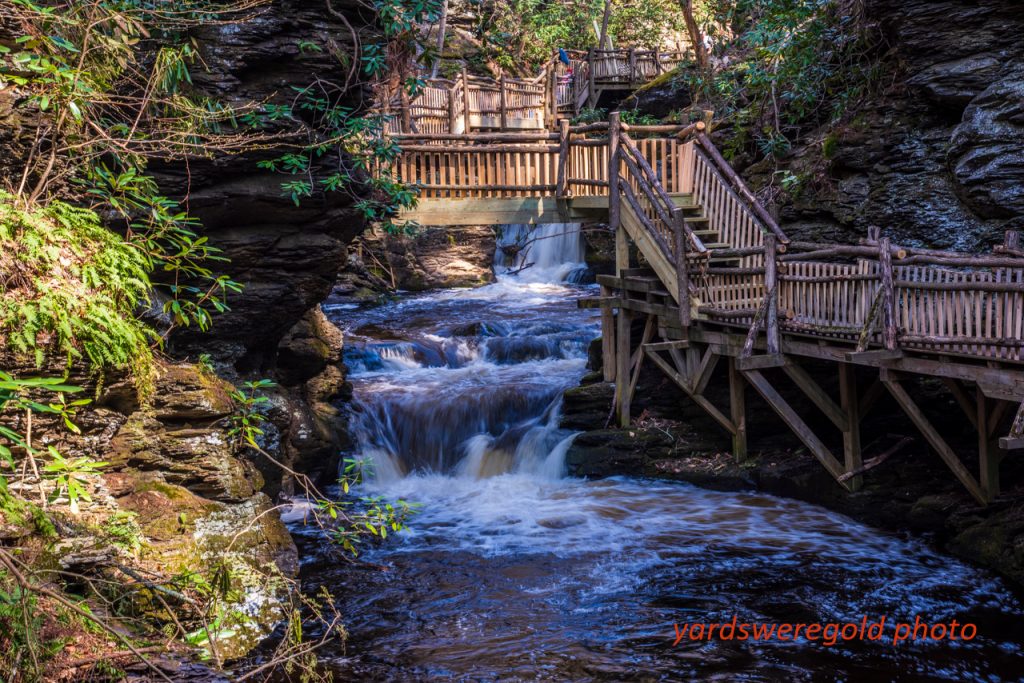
(468, 383)
(543, 253)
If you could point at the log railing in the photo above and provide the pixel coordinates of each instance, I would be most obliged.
(473, 103)
(630, 66)
(573, 162)
(889, 297)
(873, 295)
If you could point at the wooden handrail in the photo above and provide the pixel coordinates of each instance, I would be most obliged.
(741, 187)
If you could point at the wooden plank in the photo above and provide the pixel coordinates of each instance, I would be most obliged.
(874, 356)
(795, 423)
(665, 346)
(929, 432)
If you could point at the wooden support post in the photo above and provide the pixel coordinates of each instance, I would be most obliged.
(561, 189)
(467, 124)
(607, 338)
(888, 295)
(621, 251)
(614, 195)
(852, 456)
(622, 358)
(929, 432)
(406, 111)
(738, 411)
(682, 267)
(452, 120)
(771, 281)
(632, 66)
(503, 96)
(592, 73)
(988, 457)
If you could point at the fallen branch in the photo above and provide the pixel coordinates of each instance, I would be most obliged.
(877, 460)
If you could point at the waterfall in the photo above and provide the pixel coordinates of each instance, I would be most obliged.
(543, 253)
(468, 383)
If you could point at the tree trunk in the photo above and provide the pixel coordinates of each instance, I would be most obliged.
(700, 52)
(603, 38)
(442, 27)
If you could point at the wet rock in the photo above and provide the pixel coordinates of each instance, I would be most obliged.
(437, 257)
(308, 348)
(607, 452)
(957, 82)
(987, 152)
(586, 407)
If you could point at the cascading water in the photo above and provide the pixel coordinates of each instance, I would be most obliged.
(514, 572)
(467, 382)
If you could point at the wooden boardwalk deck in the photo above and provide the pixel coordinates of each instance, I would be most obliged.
(721, 280)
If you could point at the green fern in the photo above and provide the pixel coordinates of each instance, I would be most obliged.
(71, 288)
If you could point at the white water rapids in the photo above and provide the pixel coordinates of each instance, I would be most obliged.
(513, 571)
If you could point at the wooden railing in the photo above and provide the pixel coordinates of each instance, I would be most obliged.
(573, 162)
(629, 67)
(888, 297)
(473, 103)
(871, 295)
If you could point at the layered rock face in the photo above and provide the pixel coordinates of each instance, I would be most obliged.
(940, 163)
(286, 256)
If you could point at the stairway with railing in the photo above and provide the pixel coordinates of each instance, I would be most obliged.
(717, 272)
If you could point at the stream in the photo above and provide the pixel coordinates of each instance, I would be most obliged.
(513, 571)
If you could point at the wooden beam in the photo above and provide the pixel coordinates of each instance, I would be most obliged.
(683, 384)
(850, 405)
(988, 457)
(621, 249)
(622, 353)
(707, 368)
(665, 346)
(929, 432)
(817, 395)
(607, 339)
(738, 411)
(872, 357)
(795, 423)
(777, 360)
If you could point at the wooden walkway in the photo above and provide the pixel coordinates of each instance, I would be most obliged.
(721, 282)
(473, 103)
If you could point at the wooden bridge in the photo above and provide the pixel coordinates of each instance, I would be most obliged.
(473, 103)
(720, 281)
